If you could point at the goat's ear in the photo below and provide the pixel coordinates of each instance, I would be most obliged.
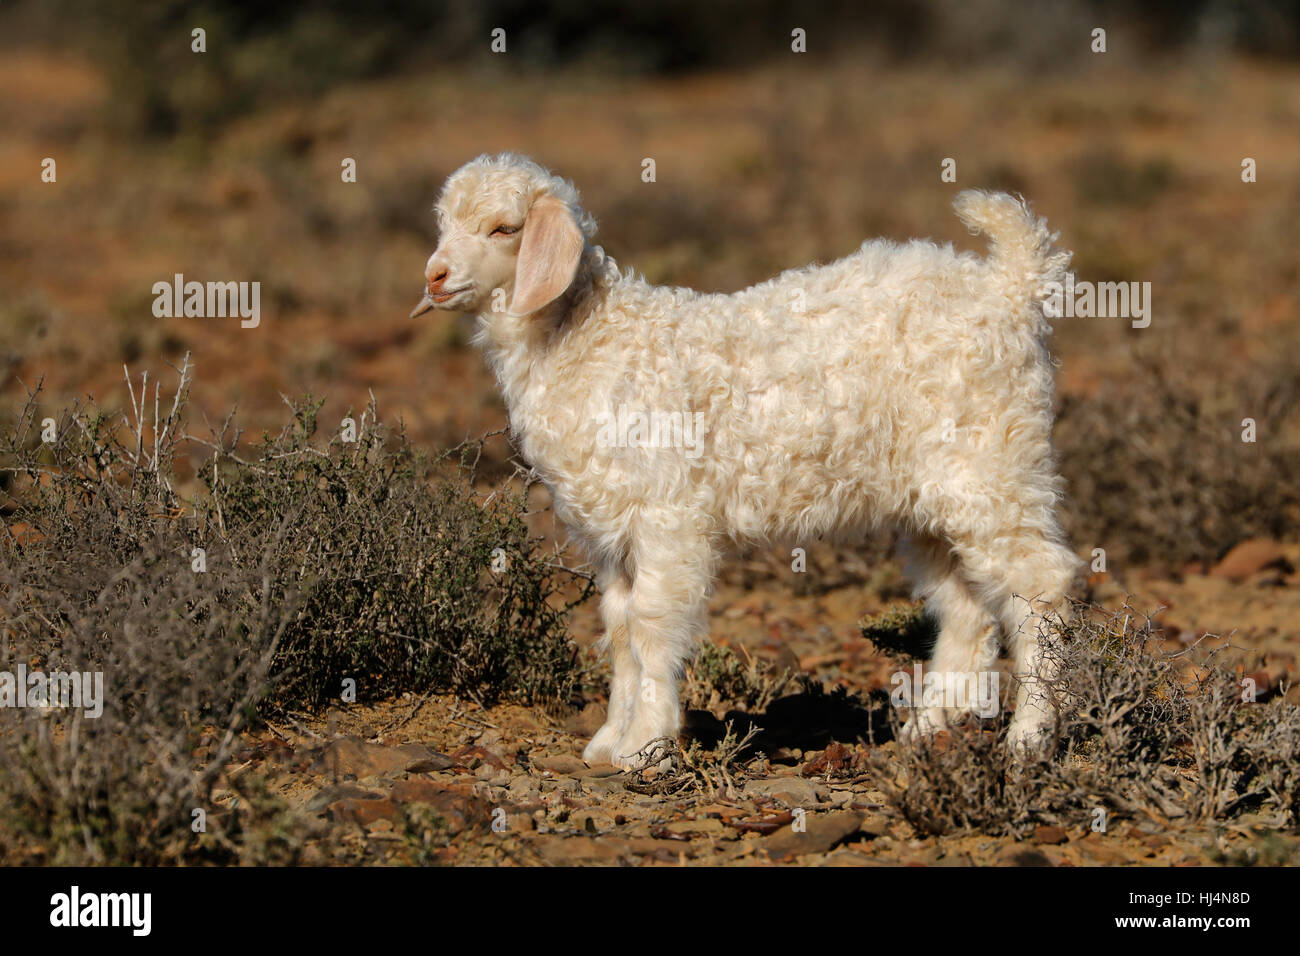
(548, 255)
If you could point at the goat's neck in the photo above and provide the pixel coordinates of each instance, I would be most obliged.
(516, 346)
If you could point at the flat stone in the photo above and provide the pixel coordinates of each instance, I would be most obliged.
(353, 810)
(706, 826)
(1247, 558)
(1050, 835)
(791, 791)
(458, 804)
(561, 763)
(333, 794)
(606, 785)
(562, 850)
(352, 756)
(822, 832)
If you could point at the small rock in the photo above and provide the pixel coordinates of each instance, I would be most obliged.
(520, 823)
(879, 827)
(603, 785)
(422, 790)
(699, 827)
(846, 857)
(561, 784)
(1249, 557)
(765, 825)
(492, 776)
(1100, 853)
(352, 810)
(591, 821)
(25, 535)
(521, 786)
(723, 811)
(791, 791)
(472, 757)
(561, 763)
(562, 850)
(352, 756)
(456, 803)
(1050, 835)
(336, 793)
(822, 832)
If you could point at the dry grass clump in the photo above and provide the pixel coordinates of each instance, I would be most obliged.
(406, 579)
(903, 631)
(717, 680)
(1141, 734)
(308, 573)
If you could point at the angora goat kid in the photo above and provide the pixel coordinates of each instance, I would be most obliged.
(903, 384)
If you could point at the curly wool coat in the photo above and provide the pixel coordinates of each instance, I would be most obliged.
(905, 384)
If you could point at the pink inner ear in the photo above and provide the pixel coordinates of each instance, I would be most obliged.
(548, 255)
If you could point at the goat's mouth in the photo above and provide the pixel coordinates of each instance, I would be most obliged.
(431, 301)
(442, 297)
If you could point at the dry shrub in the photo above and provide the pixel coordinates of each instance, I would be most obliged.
(392, 558)
(717, 680)
(902, 631)
(307, 563)
(1139, 737)
(662, 768)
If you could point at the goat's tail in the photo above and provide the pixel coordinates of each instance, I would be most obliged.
(1021, 244)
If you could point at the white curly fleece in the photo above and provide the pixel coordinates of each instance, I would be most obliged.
(905, 384)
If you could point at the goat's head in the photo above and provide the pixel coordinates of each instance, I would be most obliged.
(511, 238)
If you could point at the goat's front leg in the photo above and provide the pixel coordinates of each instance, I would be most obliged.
(625, 673)
(666, 616)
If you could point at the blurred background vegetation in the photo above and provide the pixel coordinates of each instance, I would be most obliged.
(287, 50)
(226, 165)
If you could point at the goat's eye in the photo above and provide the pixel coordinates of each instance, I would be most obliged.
(504, 231)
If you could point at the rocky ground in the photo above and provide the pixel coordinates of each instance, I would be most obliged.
(445, 781)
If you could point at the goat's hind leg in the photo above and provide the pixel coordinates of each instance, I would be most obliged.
(967, 647)
(1026, 577)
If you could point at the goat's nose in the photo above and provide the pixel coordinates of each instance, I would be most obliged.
(436, 278)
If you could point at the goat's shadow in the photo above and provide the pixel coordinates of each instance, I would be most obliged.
(815, 717)
(809, 720)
